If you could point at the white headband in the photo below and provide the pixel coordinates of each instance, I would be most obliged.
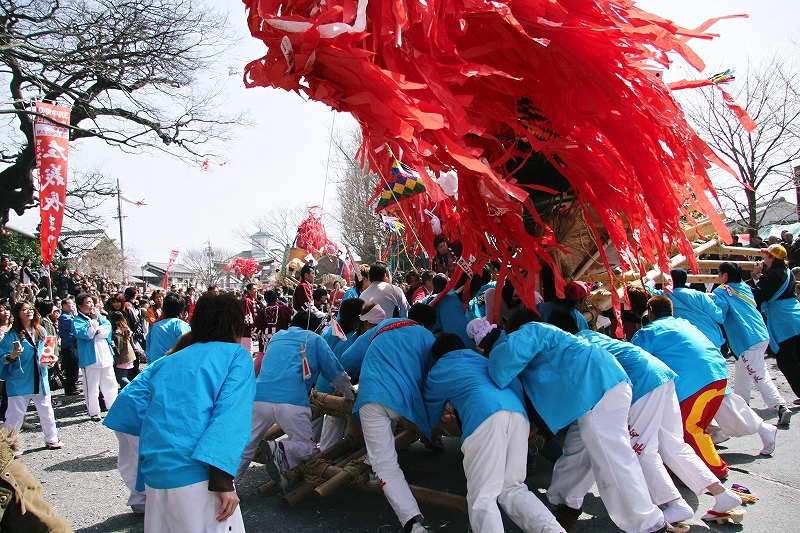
(374, 315)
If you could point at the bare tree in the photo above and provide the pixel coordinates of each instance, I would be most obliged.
(207, 263)
(104, 260)
(770, 94)
(280, 224)
(85, 192)
(127, 68)
(361, 229)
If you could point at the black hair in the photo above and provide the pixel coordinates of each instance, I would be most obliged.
(271, 297)
(82, 297)
(423, 314)
(426, 276)
(173, 305)
(446, 343)
(562, 320)
(350, 313)
(307, 269)
(439, 239)
(249, 286)
(377, 271)
(217, 318)
(45, 307)
(521, 317)
(679, 277)
(306, 320)
(440, 282)
(319, 292)
(733, 270)
(130, 293)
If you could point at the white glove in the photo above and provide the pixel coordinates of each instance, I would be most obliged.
(342, 383)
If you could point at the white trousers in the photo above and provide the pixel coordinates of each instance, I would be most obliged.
(189, 509)
(128, 465)
(609, 459)
(18, 406)
(656, 430)
(334, 429)
(495, 462)
(751, 368)
(735, 418)
(294, 420)
(377, 422)
(99, 379)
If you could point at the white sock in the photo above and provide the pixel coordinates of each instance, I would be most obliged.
(677, 511)
(726, 501)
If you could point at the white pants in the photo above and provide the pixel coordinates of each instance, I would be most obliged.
(735, 418)
(609, 459)
(656, 430)
(294, 420)
(495, 462)
(750, 367)
(18, 405)
(377, 422)
(189, 509)
(99, 379)
(334, 429)
(128, 465)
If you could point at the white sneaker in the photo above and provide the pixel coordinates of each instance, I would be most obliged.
(276, 460)
(768, 433)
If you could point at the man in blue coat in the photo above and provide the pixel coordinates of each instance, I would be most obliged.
(395, 358)
(702, 374)
(294, 359)
(571, 382)
(494, 438)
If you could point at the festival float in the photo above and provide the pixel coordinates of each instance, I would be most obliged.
(538, 133)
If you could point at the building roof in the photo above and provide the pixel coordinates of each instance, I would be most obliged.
(160, 268)
(778, 211)
(82, 241)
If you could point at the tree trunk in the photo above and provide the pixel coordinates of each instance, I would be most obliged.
(751, 209)
(16, 185)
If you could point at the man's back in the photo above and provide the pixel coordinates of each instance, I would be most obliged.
(388, 297)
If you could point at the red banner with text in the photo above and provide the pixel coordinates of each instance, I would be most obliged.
(173, 255)
(51, 137)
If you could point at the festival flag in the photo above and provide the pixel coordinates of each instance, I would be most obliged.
(337, 330)
(173, 255)
(51, 140)
(403, 182)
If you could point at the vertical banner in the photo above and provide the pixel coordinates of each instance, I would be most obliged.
(51, 139)
(173, 255)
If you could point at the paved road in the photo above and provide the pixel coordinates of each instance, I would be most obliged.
(82, 483)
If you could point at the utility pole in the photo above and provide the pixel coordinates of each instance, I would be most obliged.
(121, 238)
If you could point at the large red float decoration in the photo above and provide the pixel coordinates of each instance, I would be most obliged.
(524, 100)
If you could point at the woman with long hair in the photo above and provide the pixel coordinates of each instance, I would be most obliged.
(192, 411)
(123, 353)
(25, 375)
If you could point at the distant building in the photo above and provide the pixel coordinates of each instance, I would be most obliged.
(777, 211)
(179, 275)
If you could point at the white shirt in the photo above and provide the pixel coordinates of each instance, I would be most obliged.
(101, 348)
(389, 297)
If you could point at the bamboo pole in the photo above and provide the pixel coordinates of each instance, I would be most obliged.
(306, 490)
(337, 450)
(401, 440)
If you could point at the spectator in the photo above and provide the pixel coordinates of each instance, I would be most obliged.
(123, 350)
(414, 282)
(69, 353)
(8, 279)
(155, 312)
(25, 375)
(95, 355)
(250, 310)
(425, 288)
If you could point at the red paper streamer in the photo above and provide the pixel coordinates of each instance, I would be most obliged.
(436, 85)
